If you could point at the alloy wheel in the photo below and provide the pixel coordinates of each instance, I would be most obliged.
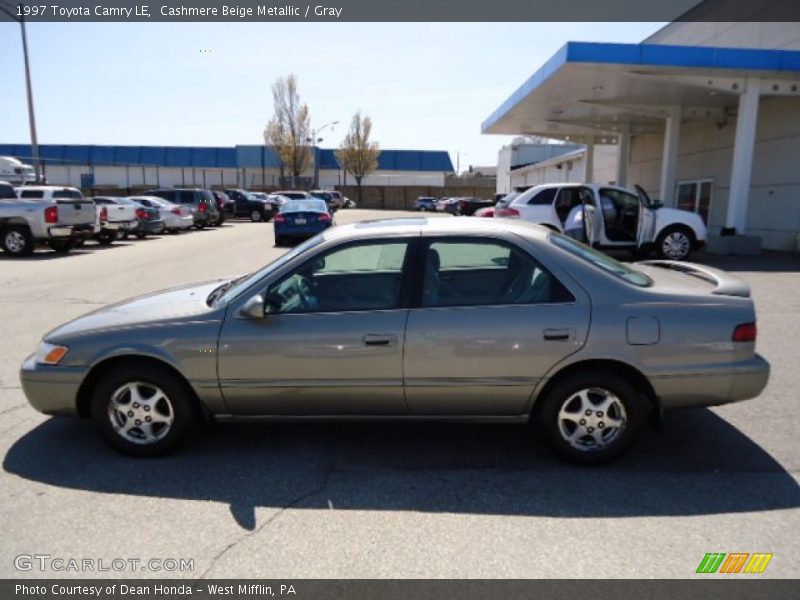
(592, 419)
(140, 413)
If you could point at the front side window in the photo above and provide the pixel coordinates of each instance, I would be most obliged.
(486, 272)
(358, 277)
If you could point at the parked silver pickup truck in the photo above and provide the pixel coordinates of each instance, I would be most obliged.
(53, 215)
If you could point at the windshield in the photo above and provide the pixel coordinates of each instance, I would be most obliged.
(304, 206)
(600, 260)
(233, 288)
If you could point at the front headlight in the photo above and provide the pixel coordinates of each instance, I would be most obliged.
(50, 354)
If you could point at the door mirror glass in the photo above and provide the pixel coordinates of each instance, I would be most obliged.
(253, 308)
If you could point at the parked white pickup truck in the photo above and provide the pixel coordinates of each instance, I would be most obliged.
(52, 215)
(613, 217)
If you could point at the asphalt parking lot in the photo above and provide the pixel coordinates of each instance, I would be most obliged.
(366, 500)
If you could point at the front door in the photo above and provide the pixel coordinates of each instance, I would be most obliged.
(331, 342)
(492, 322)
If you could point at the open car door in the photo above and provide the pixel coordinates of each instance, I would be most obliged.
(646, 228)
(592, 217)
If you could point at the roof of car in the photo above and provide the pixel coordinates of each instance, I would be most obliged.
(438, 225)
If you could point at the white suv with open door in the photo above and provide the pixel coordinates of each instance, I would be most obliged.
(614, 217)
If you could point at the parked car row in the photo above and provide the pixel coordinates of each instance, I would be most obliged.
(62, 218)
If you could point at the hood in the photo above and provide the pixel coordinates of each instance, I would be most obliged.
(186, 302)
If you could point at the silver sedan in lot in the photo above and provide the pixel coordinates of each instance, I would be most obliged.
(449, 319)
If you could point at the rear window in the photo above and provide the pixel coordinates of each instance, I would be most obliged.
(304, 206)
(206, 195)
(67, 194)
(600, 260)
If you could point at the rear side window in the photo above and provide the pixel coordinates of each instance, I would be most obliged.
(546, 196)
(32, 194)
(184, 197)
(7, 192)
(600, 260)
(484, 273)
(166, 194)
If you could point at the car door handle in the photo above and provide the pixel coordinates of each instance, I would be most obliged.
(379, 339)
(558, 334)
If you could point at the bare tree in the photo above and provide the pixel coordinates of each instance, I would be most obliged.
(357, 154)
(289, 129)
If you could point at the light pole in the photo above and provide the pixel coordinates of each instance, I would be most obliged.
(314, 140)
(31, 117)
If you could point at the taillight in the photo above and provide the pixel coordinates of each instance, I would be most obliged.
(141, 214)
(279, 218)
(507, 212)
(746, 332)
(176, 211)
(203, 207)
(462, 205)
(325, 217)
(103, 215)
(51, 214)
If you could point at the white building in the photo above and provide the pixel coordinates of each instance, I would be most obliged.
(572, 167)
(127, 167)
(705, 116)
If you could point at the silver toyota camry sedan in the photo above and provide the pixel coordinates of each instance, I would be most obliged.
(449, 319)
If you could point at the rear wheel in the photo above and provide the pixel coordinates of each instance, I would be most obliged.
(675, 243)
(593, 417)
(141, 410)
(141, 235)
(106, 238)
(17, 240)
(256, 215)
(62, 246)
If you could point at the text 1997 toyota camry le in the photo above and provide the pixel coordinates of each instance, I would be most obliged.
(468, 319)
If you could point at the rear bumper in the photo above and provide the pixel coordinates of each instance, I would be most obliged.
(85, 230)
(49, 389)
(291, 231)
(720, 385)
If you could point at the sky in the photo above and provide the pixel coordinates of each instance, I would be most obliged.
(426, 86)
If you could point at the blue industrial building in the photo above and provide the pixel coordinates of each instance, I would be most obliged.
(245, 166)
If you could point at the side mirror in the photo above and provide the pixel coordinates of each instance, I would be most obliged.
(253, 308)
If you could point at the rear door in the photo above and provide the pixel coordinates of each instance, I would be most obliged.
(491, 322)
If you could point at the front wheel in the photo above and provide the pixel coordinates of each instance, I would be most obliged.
(256, 216)
(141, 410)
(592, 418)
(675, 243)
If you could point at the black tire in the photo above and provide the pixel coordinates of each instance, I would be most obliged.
(279, 241)
(147, 378)
(105, 238)
(124, 235)
(680, 245)
(17, 240)
(173, 231)
(256, 215)
(140, 235)
(566, 394)
(62, 246)
(200, 226)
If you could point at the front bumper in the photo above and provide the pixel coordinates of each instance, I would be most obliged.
(721, 385)
(51, 390)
